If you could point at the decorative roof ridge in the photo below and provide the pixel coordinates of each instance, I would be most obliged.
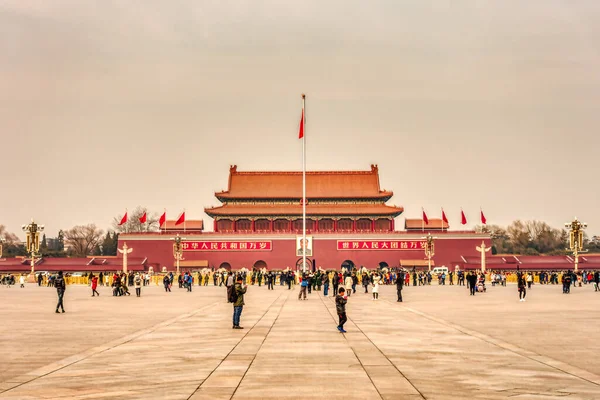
(374, 170)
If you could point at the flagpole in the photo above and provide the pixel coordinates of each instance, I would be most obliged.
(422, 219)
(304, 246)
(442, 219)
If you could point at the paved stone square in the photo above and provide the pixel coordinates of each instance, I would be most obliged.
(440, 343)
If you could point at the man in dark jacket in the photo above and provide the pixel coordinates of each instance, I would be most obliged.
(238, 304)
(399, 284)
(61, 286)
(270, 280)
(596, 280)
(340, 305)
(472, 282)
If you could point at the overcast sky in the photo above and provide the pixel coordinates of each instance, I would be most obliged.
(106, 105)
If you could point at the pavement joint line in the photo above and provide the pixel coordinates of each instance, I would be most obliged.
(261, 344)
(550, 362)
(378, 349)
(387, 358)
(234, 347)
(351, 348)
(74, 359)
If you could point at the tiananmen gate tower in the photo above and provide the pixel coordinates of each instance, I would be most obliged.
(348, 223)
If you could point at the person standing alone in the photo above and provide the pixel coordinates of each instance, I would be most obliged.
(399, 285)
(61, 286)
(472, 282)
(522, 287)
(303, 287)
(137, 283)
(238, 302)
(340, 305)
(375, 280)
(95, 286)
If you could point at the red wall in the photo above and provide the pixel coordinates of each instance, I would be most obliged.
(448, 250)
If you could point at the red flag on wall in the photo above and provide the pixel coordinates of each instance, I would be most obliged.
(181, 219)
(425, 219)
(143, 218)
(444, 218)
(463, 219)
(124, 219)
(162, 220)
(301, 131)
(483, 219)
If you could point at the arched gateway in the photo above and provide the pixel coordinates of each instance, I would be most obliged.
(309, 265)
(348, 265)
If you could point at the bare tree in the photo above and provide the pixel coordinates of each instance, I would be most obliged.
(83, 239)
(133, 223)
(11, 238)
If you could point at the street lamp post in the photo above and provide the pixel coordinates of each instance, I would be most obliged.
(32, 244)
(177, 250)
(429, 248)
(576, 239)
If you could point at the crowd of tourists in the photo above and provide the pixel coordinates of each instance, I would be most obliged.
(338, 284)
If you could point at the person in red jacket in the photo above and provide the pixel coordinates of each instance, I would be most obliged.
(94, 285)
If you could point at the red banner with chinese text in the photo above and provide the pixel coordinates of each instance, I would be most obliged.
(381, 245)
(228, 245)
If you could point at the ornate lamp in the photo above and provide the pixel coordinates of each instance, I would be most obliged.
(576, 239)
(177, 250)
(32, 244)
(429, 248)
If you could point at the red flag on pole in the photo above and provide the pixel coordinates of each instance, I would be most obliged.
(301, 131)
(162, 220)
(483, 219)
(463, 219)
(143, 218)
(425, 219)
(444, 218)
(124, 219)
(181, 219)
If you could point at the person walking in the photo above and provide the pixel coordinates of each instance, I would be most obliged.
(61, 287)
(270, 280)
(22, 281)
(596, 281)
(95, 286)
(303, 287)
(399, 285)
(167, 283)
(376, 279)
(472, 282)
(365, 281)
(348, 282)
(238, 302)
(336, 283)
(137, 284)
(522, 285)
(340, 306)
(189, 281)
(39, 279)
(325, 283)
(529, 280)
(124, 281)
(566, 281)
(354, 282)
